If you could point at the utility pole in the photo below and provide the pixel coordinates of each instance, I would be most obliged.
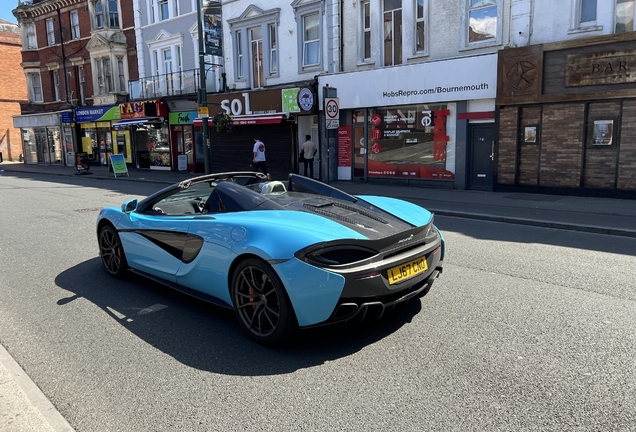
(203, 94)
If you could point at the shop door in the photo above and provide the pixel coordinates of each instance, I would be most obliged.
(482, 154)
(42, 147)
(183, 149)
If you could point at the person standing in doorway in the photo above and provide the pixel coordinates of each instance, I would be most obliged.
(259, 156)
(308, 151)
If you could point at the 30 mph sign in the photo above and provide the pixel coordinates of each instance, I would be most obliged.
(332, 112)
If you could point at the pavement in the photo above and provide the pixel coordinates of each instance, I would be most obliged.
(23, 407)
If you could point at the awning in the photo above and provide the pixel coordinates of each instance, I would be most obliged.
(137, 121)
(256, 119)
(130, 122)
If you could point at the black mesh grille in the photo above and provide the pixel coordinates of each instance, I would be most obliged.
(341, 256)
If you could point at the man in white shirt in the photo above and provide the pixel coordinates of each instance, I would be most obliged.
(259, 156)
(308, 150)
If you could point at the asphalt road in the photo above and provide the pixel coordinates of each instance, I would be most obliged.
(527, 329)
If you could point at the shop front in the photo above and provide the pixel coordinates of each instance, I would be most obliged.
(410, 122)
(566, 117)
(98, 140)
(147, 124)
(255, 114)
(46, 137)
(187, 145)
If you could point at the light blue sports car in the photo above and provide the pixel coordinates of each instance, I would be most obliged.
(283, 255)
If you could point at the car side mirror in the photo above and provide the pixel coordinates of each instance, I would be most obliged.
(128, 206)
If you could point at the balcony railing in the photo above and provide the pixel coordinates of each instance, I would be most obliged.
(171, 84)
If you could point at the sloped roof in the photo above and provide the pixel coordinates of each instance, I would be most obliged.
(8, 26)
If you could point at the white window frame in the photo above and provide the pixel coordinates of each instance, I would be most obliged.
(50, 32)
(465, 23)
(156, 47)
(30, 40)
(240, 57)
(401, 45)
(633, 16)
(301, 10)
(363, 32)
(272, 32)
(56, 85)
(82, 84)
(33, 77)
(253, 17)
(256, 53)
(98, 14)
(305, 63)
(425, 20)
(75, 26)
(121, 72)
(113, 15)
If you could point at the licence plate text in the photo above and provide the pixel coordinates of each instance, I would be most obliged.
(407, 270)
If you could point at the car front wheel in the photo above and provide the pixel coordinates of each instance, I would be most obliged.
(112, 252)
(261, 303)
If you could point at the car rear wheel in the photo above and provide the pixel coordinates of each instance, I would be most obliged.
(261, 303)
(112, 252)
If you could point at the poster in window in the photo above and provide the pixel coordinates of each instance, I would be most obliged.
(603, 132)
(213, 29)
(530, 134)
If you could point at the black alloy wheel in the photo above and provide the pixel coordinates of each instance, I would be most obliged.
(261, 303)
(112, 252)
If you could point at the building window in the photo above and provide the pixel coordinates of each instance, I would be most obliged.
(482, 20)
(50, 32)
(256, 48)
(239, 55)
(164, 10)
(35, 87)
(113, 14)
(99, 14)
(82, 84)
(421, 27)
(311, 40)
(122, 74)
(256, 45)
(108, 76)
(587, 12)
(31, 39)
(273, 50)
(104, 76)
(624, 16)
(75, 27)
(56, 85)
(366, 30)
(392, 32)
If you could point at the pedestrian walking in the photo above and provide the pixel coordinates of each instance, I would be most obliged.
(308, 151)
(259, 157)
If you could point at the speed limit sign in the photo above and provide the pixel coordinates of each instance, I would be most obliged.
(332, 112)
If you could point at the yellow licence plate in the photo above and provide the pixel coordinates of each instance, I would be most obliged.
(407, 270)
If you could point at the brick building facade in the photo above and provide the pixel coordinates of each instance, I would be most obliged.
(566, 117)
(12, 89)
(75, 54)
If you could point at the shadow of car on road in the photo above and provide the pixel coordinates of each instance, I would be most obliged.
(207, 337)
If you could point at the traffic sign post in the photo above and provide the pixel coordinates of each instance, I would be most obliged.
(332, 113)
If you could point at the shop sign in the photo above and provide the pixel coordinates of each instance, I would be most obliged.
(306, 99)
(67, 118)
(439, 134)
(141, 109)
(246, 103)
(344, 146)
(118, 164)
(290, 100)
(93, 114)
(615, 67)
(467, 78)
(182, 118)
